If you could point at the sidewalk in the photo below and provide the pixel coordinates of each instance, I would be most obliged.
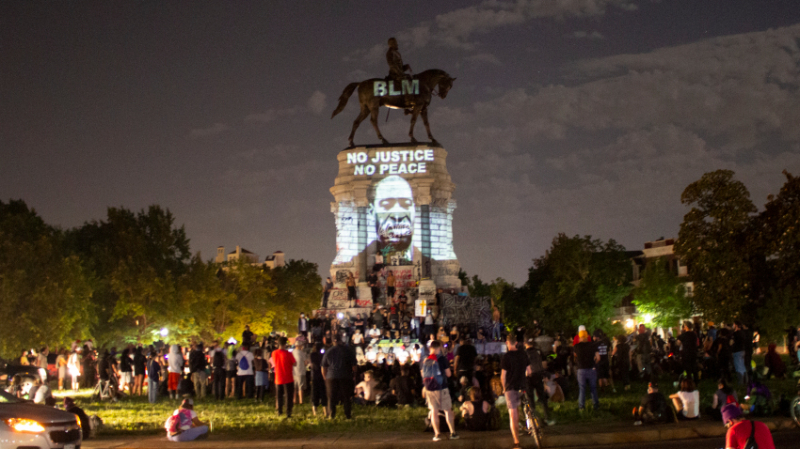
(557, 436)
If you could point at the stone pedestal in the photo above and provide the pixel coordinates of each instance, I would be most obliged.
(396, 201)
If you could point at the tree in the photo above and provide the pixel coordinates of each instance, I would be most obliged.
(45, 294)
(579, 280)
(714, 240)
(136, 259)
(778, 228)
(661, 294)
(298, 289)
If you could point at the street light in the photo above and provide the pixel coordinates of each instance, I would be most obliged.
(629, 323)
(164, 332)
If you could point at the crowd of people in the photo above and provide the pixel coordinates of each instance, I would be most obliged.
(337, 360)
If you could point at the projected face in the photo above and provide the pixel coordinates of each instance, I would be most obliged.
(394, 214)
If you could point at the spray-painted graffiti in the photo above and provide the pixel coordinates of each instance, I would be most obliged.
(465, 310)
(338, 300)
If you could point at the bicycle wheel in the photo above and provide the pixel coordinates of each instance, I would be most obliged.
(795, 410)
(536, 432)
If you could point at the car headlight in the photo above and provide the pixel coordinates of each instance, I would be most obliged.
(24, 425)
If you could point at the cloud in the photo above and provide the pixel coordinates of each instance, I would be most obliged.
(270, 115)
(610, 153)
(594, 35)
(456, 28)
(213, 130)
(483, 58)
(316, 103)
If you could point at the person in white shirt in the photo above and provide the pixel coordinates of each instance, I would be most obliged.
(245, 375)
(687, 400)
(358, 337)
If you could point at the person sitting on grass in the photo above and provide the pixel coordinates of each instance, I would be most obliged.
(723, 396)
(687, 401)
(367, 391)
(184, 425)
(477, 413)
(653, 409)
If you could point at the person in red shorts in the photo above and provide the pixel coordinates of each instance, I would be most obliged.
(283, 361)
(741, 430)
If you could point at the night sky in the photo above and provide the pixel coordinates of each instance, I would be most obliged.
(575, 116)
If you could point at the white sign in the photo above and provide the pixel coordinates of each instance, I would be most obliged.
(394, 162)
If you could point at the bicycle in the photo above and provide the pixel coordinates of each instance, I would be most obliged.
(533, 424)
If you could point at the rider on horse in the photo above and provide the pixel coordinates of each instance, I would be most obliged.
(397, 70)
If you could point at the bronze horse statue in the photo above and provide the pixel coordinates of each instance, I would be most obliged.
(414, 96)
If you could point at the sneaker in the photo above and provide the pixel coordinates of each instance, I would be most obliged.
(637, 423)
(437, 438)
(551, 422)
(454, 436)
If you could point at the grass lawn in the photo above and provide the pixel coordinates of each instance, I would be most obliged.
(247, 419)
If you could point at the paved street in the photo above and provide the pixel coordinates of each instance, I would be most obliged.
(783, 439)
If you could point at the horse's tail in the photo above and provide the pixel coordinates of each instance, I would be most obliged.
(344, 97)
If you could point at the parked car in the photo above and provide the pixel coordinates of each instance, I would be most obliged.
(8, 371)
(24, 424)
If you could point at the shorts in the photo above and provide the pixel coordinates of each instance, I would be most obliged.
(172, 381)
(230, 374)
(262, 378)
(351, 293)
(513, 399)
(300, 382)
(126, 377)
(438, 399)
(390, 291)
(603, 371)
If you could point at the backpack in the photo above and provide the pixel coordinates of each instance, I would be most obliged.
(731, 399)
(176, 421)
(751, 442)
(432, 377)
(244, 365)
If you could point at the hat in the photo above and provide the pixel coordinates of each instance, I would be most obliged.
(188, 401)
(730, 411)
(581, 328)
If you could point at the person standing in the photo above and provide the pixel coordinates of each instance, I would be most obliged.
(284, 362)
(351, 289)
(197, 367)
(338, 369)
(375, 290)
(435, 372)
(74, 368)
(176, 362)
(248, 338)
(302, 325)
(689, 344)
(515, 366)
(464, 362)
(390, 290)
(245, 377)
(153, 376)
(537, 375)
(61, 366)
(318, 395)
(586, 357)
(299, 371)
(139, 369)
(218, 373)
(740, 430)
(737, 350)
(326, 292)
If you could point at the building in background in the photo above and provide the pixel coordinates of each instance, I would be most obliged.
(276, 260)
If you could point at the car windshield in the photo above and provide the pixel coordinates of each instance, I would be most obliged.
(6, 397)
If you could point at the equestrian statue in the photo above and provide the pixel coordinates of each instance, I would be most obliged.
(398, 91)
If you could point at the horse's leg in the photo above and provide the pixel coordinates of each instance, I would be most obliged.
(361, 116)
(374, 119)
(424, 114)
(414, 114)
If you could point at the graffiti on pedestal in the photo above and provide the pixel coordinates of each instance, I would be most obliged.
(465, 310)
